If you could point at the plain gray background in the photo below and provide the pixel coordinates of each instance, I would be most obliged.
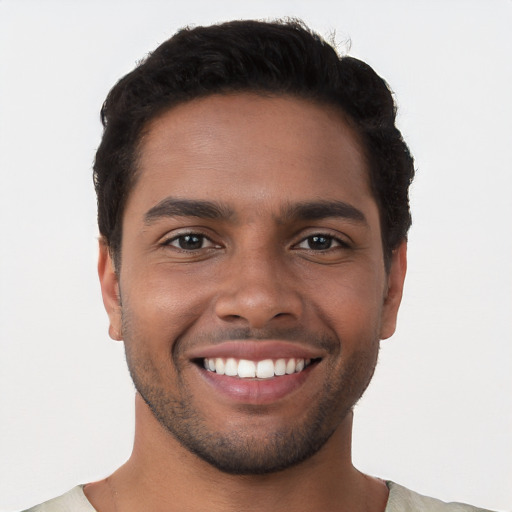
(438, 416)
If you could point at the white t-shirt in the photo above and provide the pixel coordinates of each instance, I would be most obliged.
(400, 500)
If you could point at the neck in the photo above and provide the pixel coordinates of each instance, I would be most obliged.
(161, 476)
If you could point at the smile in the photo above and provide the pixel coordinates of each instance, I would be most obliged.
(247, 369)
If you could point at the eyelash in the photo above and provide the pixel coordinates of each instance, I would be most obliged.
(330, 239)
(201, 239)
(182, 236)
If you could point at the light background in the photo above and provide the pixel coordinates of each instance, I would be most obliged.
(438, 416)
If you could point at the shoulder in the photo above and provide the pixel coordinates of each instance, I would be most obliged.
(72, 501)
(403, 500)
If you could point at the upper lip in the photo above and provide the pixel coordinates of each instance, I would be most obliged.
(257, 350)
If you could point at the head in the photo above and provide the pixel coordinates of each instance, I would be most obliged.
(252, 192)
(265, 58)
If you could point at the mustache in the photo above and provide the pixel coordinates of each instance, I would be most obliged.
(325, 341)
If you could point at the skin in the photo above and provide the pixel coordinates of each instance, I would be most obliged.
(253, 277)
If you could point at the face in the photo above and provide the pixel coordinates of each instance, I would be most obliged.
(252, 293)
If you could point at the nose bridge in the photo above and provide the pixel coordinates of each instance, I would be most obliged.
(258, 286)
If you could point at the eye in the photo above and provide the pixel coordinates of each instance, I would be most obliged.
(190, 242)
(319, 242)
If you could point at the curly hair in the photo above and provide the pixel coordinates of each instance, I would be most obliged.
(281, 58)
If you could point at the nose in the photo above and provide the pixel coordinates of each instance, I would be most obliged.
(258, 289)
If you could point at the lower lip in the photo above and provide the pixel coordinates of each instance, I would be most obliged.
(256, 391)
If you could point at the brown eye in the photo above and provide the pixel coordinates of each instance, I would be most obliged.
(190, 242)
(319, 243)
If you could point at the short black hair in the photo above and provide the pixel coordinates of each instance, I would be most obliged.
(280, 58)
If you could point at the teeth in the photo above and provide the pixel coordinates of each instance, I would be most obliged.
(219, 366)
(280, 367)
(290, 366)
(246, 369)
(231, 367)
(264, 369)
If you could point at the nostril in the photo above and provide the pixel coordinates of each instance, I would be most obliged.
(257, 304)
(233, 318)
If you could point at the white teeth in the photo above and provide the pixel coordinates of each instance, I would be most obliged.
(219, 366)
(265, 369)
(247, 369)
(280, 367)
(231, 367)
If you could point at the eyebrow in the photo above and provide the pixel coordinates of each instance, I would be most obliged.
(173, 207)
(317, 210)
(304, 211)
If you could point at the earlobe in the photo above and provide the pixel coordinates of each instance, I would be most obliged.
(110, 290)
(395, 287)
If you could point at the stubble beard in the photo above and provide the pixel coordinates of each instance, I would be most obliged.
(242, 452)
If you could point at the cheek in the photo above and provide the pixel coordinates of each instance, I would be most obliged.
(161, 304)
(352, 306)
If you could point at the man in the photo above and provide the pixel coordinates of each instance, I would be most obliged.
(253, 211)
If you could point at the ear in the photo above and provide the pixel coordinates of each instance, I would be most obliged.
(110, 290)
(395, 288)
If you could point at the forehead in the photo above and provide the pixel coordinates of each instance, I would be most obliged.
(250, 149)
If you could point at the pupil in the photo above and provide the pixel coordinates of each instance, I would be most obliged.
(190, 242)
(319, 242)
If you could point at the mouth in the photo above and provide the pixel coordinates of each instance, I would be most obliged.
(262, 369)
(255, 372)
